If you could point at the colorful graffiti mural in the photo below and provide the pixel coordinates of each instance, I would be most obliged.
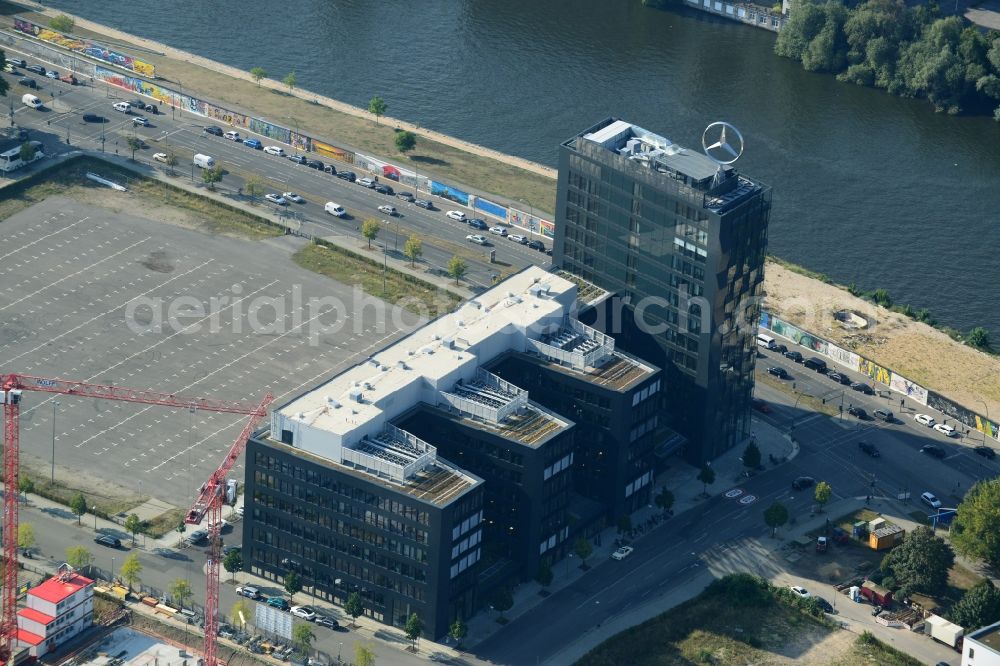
(84, 47)
(846, 358)
(449, 192)
(333, 152)
(962, 415)
(532, 223)
(489, 208)
(134, 84)
(797, 335)
(901, 384)
(875, 371)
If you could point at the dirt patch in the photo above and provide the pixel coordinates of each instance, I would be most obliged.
(838, 564)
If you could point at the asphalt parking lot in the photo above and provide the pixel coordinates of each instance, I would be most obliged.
(91, 294)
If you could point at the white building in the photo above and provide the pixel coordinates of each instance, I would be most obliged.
(57, 610)
(982, 647)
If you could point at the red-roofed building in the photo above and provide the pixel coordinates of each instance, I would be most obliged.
(57, 610)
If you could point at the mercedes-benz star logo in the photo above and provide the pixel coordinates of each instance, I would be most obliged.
(725, 152)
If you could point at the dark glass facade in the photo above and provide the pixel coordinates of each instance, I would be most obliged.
(682, 249)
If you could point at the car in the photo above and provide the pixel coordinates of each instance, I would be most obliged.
(139, 120)
(161, 157)
(839, 378)
(861, 387)
(477, 239)
(793, 355)
(197, 536)
(292, 196)
(17, 62)
(238, 511)
(249, 592)
(27, 81)
(387, 209)
(230, 549)
(274, 150)
(276, 199)
(930, 500)
(305, 612)
(315, 164)
(383, 189)
(536, 245)
(38, 69)
(424, 203)
(214, 131)
(253, 143)
(803, 482)
(858, 412)
(924, 419)
(365, 182)
(985, 452)
(478, 224)
(346, 175)
(456, 215)
(781, 349)
(800, 592)
(233, 135)
(498, 230)
(870, 449)
(137, 104)
(223, 525)
(334, 209)
(109, 541)
(780, 373)
(884, 415)
(278, 602)
(945, 429)
(518, 238)
(327, 622)
(824, 605)
(406, 196)
(93, 118)
(124, 107)
(52, 74)
(622, 553)
(933, 450)
(298, 159)
(760, 406)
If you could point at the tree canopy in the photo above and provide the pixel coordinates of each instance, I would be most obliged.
(79, 557)
(822, 493)
(413, 248)
(405, 141)
(975, 531)
(414, 627)
(78, 505)
(920, 563)
(302, 636)
(293, 584)
(354, 606)
(131, 570)
(978, 607)
(180, 592)
(377, 107)
(775, 516)
(751, 456)
(258, 73)
(62, 23)
(370, 229)
(707, 476)
(457, 268)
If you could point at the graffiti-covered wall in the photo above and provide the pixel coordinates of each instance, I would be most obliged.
(532, 223)
(84, 47)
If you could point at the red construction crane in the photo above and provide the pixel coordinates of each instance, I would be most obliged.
(11, 387)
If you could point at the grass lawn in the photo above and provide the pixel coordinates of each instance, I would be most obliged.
(62, 493)
(869, 651)
(807, 402)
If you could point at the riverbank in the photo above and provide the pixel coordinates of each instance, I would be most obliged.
(919, 352)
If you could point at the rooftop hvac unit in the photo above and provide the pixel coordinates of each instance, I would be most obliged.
(330, 401)
(402, 365)
(301, 416)
(535, 290)
(356, 395)
(448, 343)
(427, 350)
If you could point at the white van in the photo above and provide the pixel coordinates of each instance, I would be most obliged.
(334, 209)
(124, 107)
(32, 101)
(766, 341)
(203, 161)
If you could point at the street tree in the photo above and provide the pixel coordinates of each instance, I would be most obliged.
(26, 486)
(583, 550)
(212, 176)
(131, 570)
(457, 268)
(979, 606)
(241, 608)
(354, 606)
(822, 493)
(293, 585)
(290, 80)
(664, 499)
(405, 141)
(62, 23)
(707, 477)
(370, 229)
(975, 531)
(180, 592)
(27, 152)
(377, 107)
(544, 576)
(233, 562)
(921, 563)
(302, 637)
(363, 655)
(171, 163)
(79, 557)
(979, 338)
(624, 524)
(458, 631)
(134, 144)
(751, 456)
(413, 628)
(413, 248)
(258, 73)
(26, 536)
(78, 505)
(775, 516)
(503, 600)
(133, 525)
(254, 187)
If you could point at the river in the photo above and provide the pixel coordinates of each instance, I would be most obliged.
(868, 188)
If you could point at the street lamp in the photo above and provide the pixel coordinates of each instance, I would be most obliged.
(93, 510)
(112, 568)
(339, 650)
(989, 423)
(55, 403)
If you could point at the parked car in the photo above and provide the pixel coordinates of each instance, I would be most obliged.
(93, 118)
(518, 238)
(52, 74)
(139, 120)
(884, 415)
(17, 62)
(945, 429)
(456, 215)
(249, 591)
(858, 412)
(197, 536)
(161, 157)
(387, 209)
(424, 203)
(478, 224)
(315, 164)
(406, 196)
(109, 541)
(933, 450)
(824, 605)
(498, 230)
(230, 549)
(477, 239)
(69, 78)
(800, 592)
(38, 69)
(778, 372)
(292, 196)
(365, 182)
(794, 355)
(27, 81)
(781, 349)
(276, 199)
(536, 245)
(985, 452)
(253, 143)
(346, 175)
(123, 107)
(803, 482)
(214, 131)
(622, 553)
(870, 449)
(930, 500)
(839, 378)
(334, 209)
(305, 612)
(233, 135)
(760, 406)
(274, 150)
(298, 159)
(861, 387)
(382, 188)
(924, 419)
(278, 602)
(327, 622)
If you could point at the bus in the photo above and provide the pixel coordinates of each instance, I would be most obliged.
(11, 160)
(766, 341)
